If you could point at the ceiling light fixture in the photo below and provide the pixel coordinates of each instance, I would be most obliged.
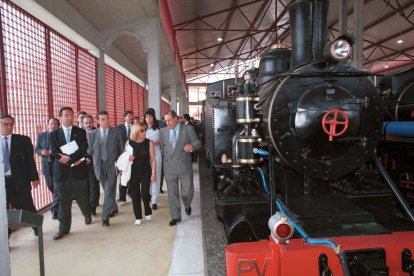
(399, 41)
(219, 39)
(211, 64)
(386, 65)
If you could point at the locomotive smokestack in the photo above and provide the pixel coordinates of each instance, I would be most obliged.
(309, 30)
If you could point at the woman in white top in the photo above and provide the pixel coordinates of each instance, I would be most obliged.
(153, 134)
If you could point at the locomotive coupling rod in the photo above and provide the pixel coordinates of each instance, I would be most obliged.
(394, 188)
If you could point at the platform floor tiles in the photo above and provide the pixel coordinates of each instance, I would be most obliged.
(154, 248)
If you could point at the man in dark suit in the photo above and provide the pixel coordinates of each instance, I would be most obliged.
(178, 140)
(106, 145)
(43, 150)
(19, 167)
(94, 190)
(125, 131)
(69, 180)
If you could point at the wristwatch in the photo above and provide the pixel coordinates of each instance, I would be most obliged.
(68, 157)
(154, 172)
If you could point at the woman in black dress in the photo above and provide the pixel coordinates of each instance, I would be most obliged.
(141, 172)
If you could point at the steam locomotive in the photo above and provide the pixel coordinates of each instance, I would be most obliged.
(299, 186)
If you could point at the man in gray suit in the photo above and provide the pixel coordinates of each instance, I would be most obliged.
(178, 141)
(106, 145)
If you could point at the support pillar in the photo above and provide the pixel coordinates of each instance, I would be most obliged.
(153, 45)
(148, 31)
(357, 53)
(145, 95)
(4, 241)
(174, 95)
(343, 17)
(182, 100)
(101, 80)
(171, 74)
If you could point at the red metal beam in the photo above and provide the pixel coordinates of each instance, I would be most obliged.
(395, 53)
(401, 12)
(388, 15)
(186, 23)
(274, 25)
(225, 34)
(262, 8)
(394, 68)
(223, 59)
(216, 45)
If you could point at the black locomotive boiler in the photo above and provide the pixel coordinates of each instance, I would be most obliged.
(292, 148)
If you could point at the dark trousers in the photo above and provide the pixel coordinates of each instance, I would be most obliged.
(65, 191)
(194, 156)
(162, 175)
(108, 182)
(135, 189)
(95, 192)
(51, 186)
(123, 190)
(19, 199)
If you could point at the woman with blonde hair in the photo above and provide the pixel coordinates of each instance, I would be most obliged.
(141, 172)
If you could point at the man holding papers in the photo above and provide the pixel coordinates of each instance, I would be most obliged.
(106, 145)
(69, 145)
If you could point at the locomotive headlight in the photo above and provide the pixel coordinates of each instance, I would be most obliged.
(340, 49)
(280, 228)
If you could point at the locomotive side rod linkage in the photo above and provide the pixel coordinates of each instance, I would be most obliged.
(394, 188)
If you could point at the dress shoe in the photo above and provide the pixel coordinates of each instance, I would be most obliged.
(121, 200)
(93, 213)
(138, 222)
(105, 223)
(188, 211)
(112, 214)
(161, 191)
(154, 206)
(54, 216)
(174, 222)
(35, 232)
(60, 235)
(88, 219)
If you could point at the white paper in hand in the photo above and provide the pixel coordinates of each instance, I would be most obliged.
(69, 148)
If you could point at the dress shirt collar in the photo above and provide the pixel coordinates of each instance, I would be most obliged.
(126, 126)
(107, 130)
(8, 137)
(65, 128)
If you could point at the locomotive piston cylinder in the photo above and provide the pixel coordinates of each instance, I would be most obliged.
(246, 146)
(245, 111)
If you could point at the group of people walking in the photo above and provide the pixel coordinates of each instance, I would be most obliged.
(75, 159)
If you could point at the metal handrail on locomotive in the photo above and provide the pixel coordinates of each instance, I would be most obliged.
(292, 145)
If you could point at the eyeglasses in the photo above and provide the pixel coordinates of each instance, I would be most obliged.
(143, 130)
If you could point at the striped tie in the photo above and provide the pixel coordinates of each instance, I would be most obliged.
(173, 139)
